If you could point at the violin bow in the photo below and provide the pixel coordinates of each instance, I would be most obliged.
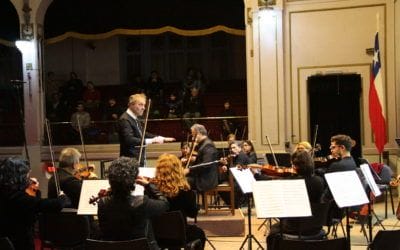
(194, 142)
(82, 142)
(144, 131)
(272, 151)
(223, 149)
(55, 174)
(315, 140)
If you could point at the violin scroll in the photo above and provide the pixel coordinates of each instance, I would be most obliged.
(102, 193)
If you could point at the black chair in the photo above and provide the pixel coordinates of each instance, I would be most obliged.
(326, 244)
(386, 240)
(140, 243)
(5, 244)
(174, 234)
(63, 230)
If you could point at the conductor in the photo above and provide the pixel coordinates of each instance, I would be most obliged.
(130, 130)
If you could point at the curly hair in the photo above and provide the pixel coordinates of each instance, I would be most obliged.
(122, 175)
(170, 178)
(14, 175)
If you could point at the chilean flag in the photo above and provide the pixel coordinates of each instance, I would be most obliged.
(376, 101)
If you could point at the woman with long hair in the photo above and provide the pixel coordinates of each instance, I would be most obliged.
(171, 181)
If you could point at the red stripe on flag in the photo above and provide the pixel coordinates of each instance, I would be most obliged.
(376, 117)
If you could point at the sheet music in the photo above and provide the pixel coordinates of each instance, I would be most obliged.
(147, 172)
(245, 179)
(370, 179)
(281, 198)
(346, 188)
(91, 188)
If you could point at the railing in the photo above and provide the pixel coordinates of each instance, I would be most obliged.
(105, 132)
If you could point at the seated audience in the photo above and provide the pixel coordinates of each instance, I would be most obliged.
(91, 97)
(173, 106)
(84, 122)
(228, 125)
(193, 107)
(19, 209)
(171, 181)
(123, 216)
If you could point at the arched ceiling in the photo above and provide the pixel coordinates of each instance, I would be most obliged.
(9, 23)
(100, 16)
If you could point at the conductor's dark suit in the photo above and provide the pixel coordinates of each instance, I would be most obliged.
(130, 136)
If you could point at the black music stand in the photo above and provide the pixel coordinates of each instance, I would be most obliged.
(249, 235)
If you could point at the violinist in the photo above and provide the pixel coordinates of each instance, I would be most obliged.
(236, 158)
(303, 146)
(205, 177)
(341, 148)
(33, 188)
(185, 154)
(18, 209)
(248, 149)
(171, 181)
(123, 216)
(69, 183)
(304, 165)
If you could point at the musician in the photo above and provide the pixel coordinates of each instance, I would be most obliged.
(66, 172)
(236, 158)
(171, 181)
(130, 130)
(303, 146)
(203, 178)
(304, 165)
(123, 216)
(18, 209)
(248, 149)
(341, 148)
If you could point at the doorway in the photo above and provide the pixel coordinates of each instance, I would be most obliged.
(334, 102)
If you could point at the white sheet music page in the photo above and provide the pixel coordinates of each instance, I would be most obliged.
(281, 199)
(346, 188)
(90, 188)
(147, 172)
(245, 179)
(370, 179)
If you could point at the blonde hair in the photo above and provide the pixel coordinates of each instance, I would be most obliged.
(136, 97)
(170, 178)
(307, 146)
(69, 157)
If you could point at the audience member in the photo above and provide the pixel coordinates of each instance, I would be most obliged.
(171, 181)
(91, 97)
(155, 86)
(56, 111)
(192, 107)
(81, 119)
(187, 83)
(228, 125)
(71, 91)
(112, 111)
(123, 216)
(173, 106)
(19, 209)
(52, 85)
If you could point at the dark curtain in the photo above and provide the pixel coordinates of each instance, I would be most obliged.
(334, 102)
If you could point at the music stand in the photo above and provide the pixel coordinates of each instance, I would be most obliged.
(347, 191)
(245, 178)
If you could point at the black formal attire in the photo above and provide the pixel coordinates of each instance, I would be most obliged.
(205, 177)
(130, 137)
(345, 164)
(305, 226)
(240, 159)
(252, 157)
(18, 213)
(129, 218)
(186, 202)
(69, 184)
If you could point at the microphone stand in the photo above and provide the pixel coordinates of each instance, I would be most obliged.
(249, 236)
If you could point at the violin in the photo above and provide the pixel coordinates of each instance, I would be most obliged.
(325, 161)
(85, 172)
(33, 187)
(102, 193)
(274, 170)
